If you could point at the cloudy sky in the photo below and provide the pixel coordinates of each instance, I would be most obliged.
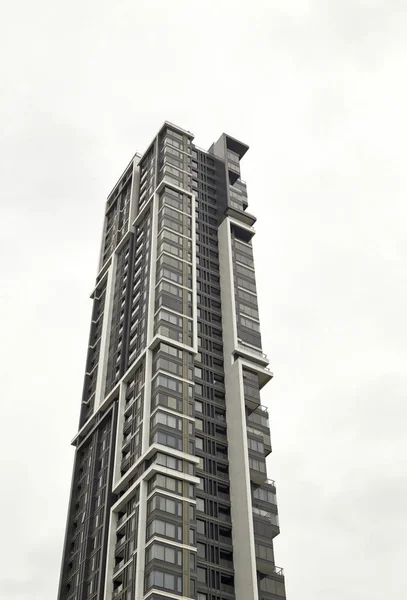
(318, 91)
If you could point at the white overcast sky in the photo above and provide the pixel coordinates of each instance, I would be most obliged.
(318, 91)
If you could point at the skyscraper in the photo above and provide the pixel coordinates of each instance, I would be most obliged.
(170, 497)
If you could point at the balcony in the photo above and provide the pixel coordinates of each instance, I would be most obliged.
(257, 355)
(224, 516)
(271, 483)
(261, 436)
(257, 477)
(219, 435)
(269, 517)
(225, 539)
(272, 586)
(120, 547)
(251, 398)
(227, 588)
(241, 215)
(233, 170)
(266, 514)
(259, 418)
(121, 520)
(226, 563)
(118, 590)
(223, 496)
(118, 566)
(126, 440)
(220, 418)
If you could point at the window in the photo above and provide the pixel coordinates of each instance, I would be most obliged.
(264, 495)
(257, 465)
(160, 579)
(164, 315)
(272, 587)
(201, 575)
(168, 365)
(264, 552)
(168, 461)
(175, 352)
(165, 529)
(200, 526)
(174, 290)
(166, 419)
(200, 504)
(253, 325)
(164, 504)
(168, 483)
(249, 310)
(199, 443)
(198, 406)
(255, 445)
(167, 400)
(168, 382)
(201, 548)
(167, 554)
(166, 439)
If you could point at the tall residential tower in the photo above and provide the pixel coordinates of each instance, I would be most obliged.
(170, 497)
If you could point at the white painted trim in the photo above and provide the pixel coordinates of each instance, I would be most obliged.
(244, 557)
(157, 538)
(134, 192)
(158, 337)
(241, 225)
(152, 470)
(105, 337)
(194, 281)
(119, 433)
(165, 409)
(141, 542)
(168, 595)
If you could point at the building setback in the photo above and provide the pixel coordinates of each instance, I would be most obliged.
(170, 497)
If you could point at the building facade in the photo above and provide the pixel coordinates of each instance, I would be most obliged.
(170, 497)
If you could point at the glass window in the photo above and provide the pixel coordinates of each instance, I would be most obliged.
(165, 553)
(163, 580)
(200, 526)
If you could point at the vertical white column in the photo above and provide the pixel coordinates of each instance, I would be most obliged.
(141, 541)
(244, 557)
(105, 336)
(135, 188)
(194, 282)
(148, 368)
(150, 325)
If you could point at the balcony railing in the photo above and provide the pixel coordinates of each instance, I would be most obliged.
(118, 566)
(224, 496)
(271, 517)
(225, 539)
(121, 520)
(270, 482)
(250, 350)
(224, 517)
